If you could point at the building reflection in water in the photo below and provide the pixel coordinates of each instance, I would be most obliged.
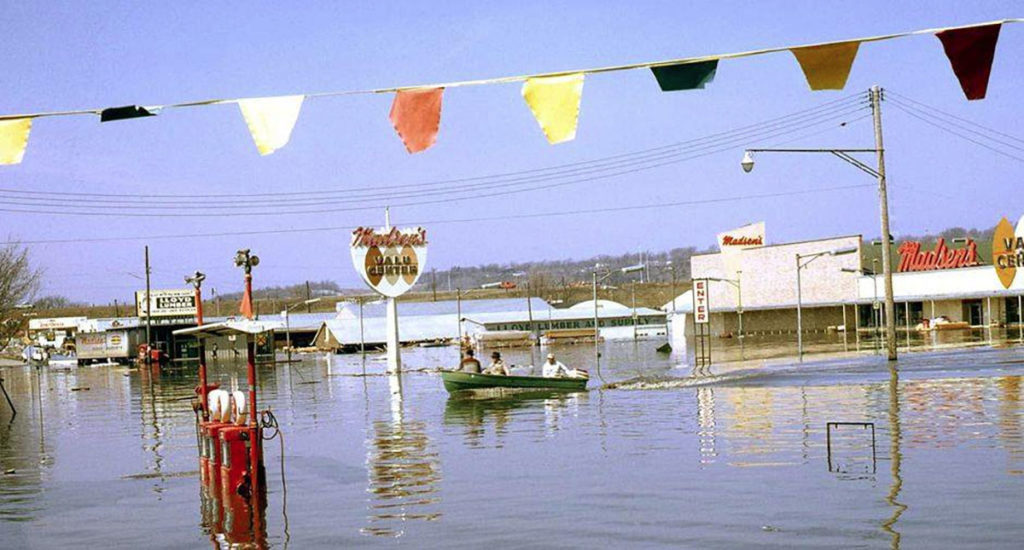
(706, 424)
(403, 471)
(24, 454)
(1010, 419)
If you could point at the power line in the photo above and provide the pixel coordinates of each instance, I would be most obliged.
(954, 132)
(448, 221)
(578, 176)
(950, 115)
(807, 117)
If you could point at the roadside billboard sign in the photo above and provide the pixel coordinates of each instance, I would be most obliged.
(167, 303)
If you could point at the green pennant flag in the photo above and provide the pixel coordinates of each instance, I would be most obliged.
(685, 76)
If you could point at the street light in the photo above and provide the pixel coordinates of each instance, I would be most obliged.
(875, 310)
(799, 305)
(875, 97)
(288, 324)
(631, 269)
(739, 298)
(196, 280)
(597, 329)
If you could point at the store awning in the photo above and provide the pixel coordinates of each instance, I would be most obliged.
(230, 328)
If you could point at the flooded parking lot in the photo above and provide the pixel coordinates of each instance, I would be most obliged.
(743, 457)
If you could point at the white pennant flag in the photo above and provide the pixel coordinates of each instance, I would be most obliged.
(270, 120)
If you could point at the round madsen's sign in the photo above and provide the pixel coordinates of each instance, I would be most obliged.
(389, 261)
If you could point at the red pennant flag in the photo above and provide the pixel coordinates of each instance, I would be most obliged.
(970, 52)
(246, 308)
(416, 116)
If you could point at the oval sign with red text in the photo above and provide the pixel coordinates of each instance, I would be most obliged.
(389, 261)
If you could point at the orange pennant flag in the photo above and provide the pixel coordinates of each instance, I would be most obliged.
(416, 116)
(246, 308)
(827, 67)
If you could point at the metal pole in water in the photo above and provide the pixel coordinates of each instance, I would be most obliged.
(799, 315)
(597, 330)
(149, 303)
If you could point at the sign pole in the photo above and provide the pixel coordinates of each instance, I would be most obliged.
(390, 263)
(394, 353)
(149, 311)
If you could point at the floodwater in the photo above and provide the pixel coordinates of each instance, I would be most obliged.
(929, 454)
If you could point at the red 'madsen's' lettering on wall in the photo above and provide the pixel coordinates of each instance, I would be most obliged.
(912, 259)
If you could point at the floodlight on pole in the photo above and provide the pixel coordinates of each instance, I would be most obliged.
(748, 161)
(877, 172)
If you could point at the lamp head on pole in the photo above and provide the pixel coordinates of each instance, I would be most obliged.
(246, 260)
(748, 161)
(196, 279)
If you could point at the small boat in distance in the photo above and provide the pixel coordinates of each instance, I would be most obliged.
(458, 381)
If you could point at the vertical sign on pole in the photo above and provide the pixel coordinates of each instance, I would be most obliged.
(701, 323)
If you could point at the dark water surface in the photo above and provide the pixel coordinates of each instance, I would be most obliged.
(739, 459)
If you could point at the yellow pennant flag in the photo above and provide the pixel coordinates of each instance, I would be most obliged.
(827, 67)
(270, 120)
(555, 102)
(14, 139)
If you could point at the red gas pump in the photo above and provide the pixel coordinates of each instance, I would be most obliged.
(231, 455)
(210, 454)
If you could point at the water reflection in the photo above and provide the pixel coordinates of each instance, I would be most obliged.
(23, 455)
(949, 424)
(896, 459)
(403, 469)
(474, 410)
(706, 425)
(1010, 421)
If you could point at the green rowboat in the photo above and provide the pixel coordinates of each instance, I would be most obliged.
(457, 381)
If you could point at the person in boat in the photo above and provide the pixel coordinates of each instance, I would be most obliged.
(497, 366)
(554, 368)
(469, 363)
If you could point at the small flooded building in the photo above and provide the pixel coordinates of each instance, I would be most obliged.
(436, 322)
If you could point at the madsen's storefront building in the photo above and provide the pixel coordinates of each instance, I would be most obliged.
(945, 285)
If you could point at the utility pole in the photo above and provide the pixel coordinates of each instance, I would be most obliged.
(309, 308)
(149, 316)
(433, 283)
(883, 200)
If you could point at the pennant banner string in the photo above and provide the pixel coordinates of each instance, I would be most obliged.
(522, 78)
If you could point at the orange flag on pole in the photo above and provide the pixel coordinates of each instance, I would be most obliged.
(416, 116)
(827, 67)
(246, 308)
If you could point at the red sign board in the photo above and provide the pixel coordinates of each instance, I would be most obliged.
(941, 257)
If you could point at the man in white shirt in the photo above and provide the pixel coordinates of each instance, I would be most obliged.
(554, 368)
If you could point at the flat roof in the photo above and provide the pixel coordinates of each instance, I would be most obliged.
(229, 328)
(775, 245)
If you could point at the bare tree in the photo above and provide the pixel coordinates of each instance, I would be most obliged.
(19, 282)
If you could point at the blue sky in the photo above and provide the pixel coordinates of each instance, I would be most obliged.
(79, 55)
